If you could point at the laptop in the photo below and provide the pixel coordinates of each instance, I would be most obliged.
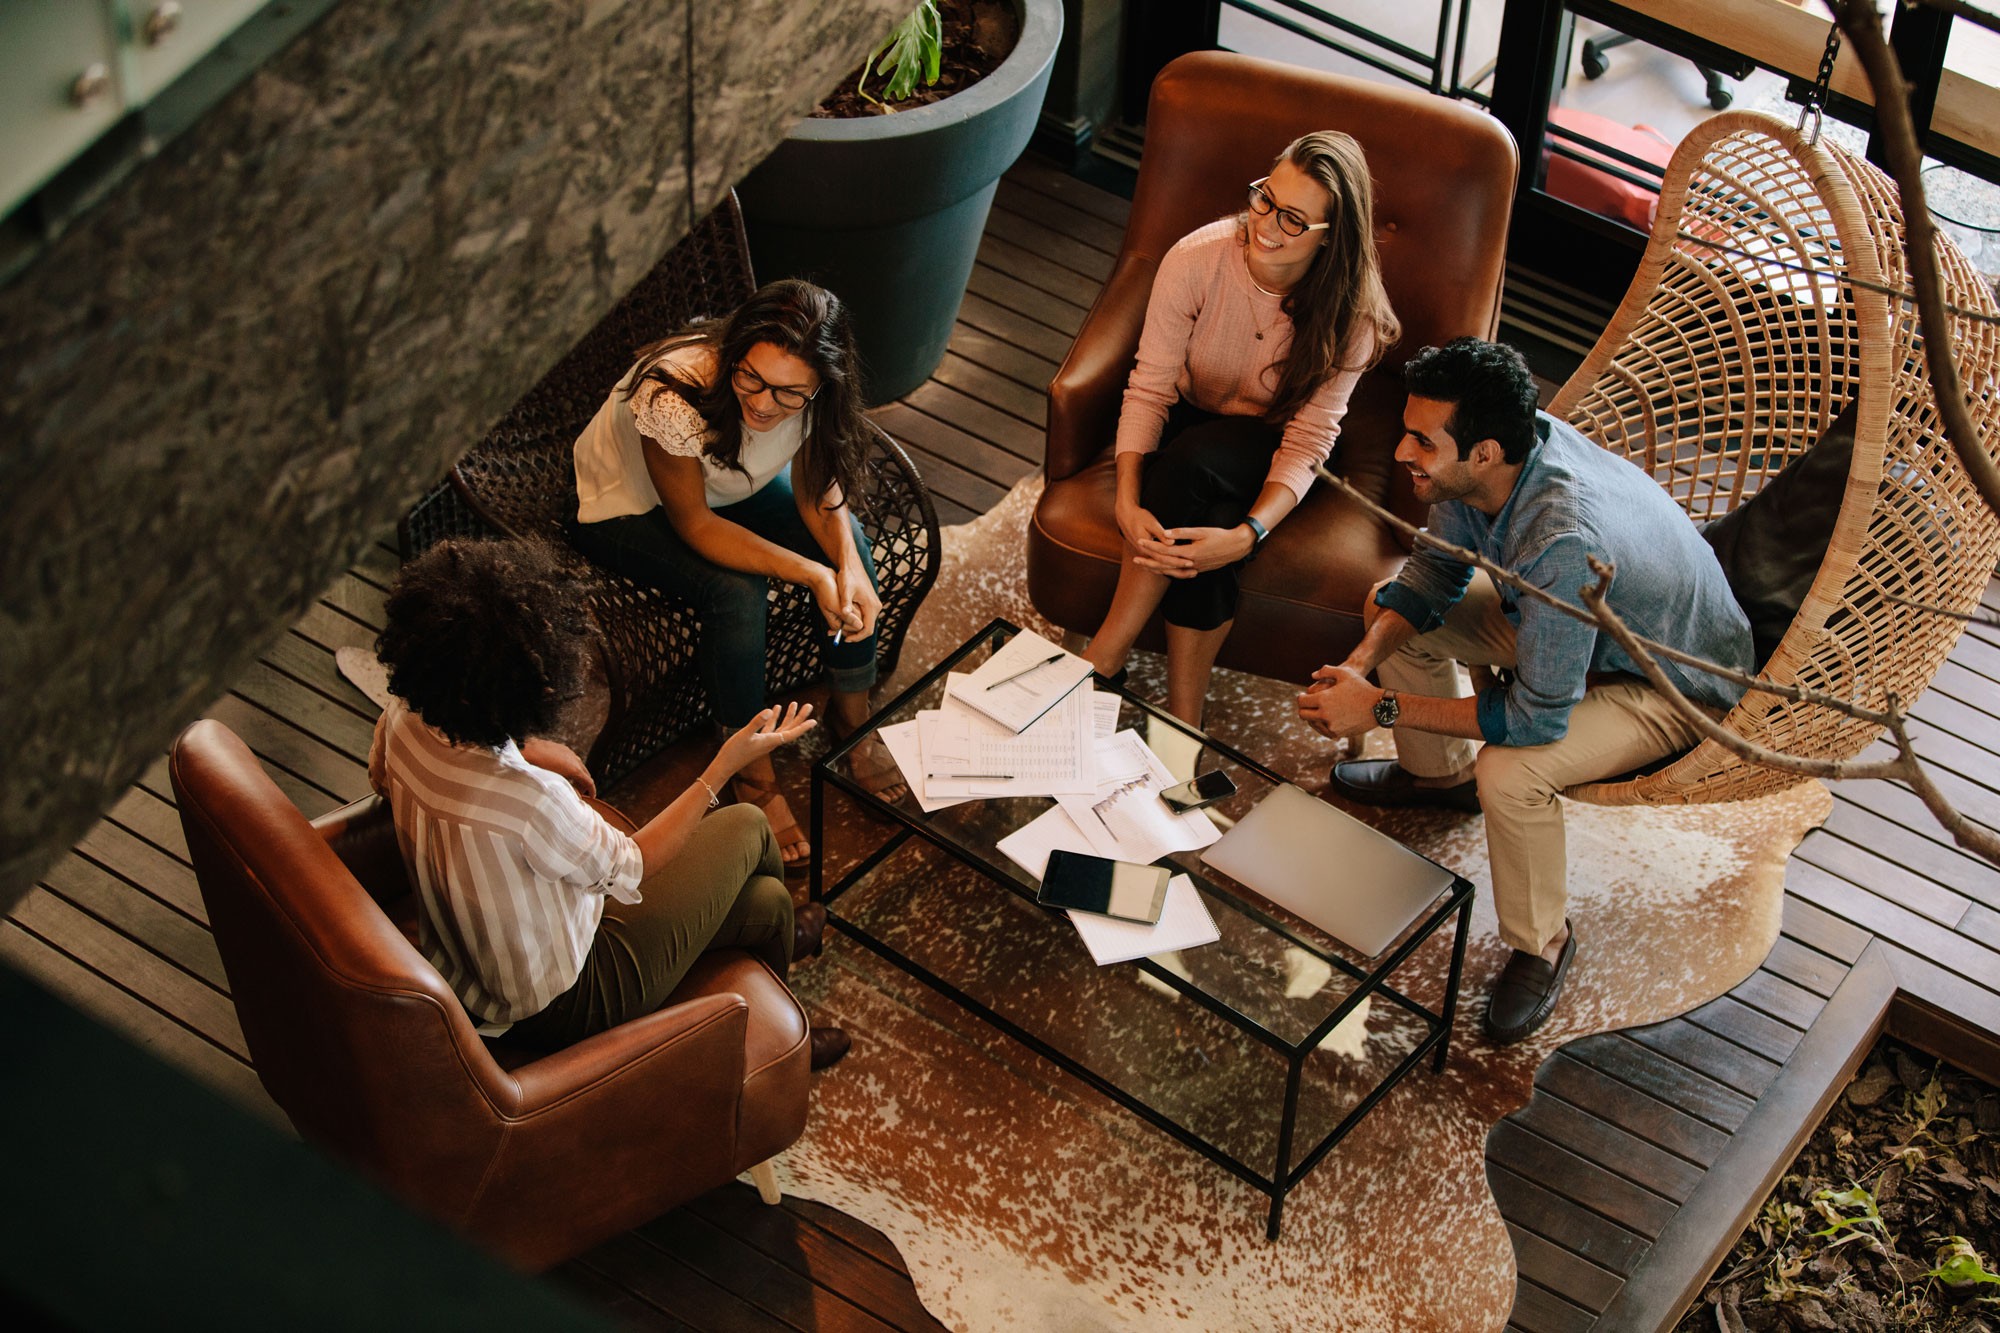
(1358, 885)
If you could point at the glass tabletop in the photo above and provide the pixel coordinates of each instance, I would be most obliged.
(1273, 972)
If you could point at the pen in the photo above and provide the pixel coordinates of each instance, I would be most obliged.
(1037, 666)
(972, 777)
(838, 635)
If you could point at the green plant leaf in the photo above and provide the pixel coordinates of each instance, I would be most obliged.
(1959, 1265)
(913, 53)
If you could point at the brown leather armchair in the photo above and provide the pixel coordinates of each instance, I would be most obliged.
(355, 1036)
(1444, 183)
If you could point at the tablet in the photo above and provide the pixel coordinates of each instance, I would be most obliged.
(1123, 889)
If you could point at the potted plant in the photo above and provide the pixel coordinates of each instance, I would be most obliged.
(887, 210)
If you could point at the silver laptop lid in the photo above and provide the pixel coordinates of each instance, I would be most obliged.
(1357, 884)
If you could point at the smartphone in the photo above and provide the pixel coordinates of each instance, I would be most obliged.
(1206, 789)
(1098, 884)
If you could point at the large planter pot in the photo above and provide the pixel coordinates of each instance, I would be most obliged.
(887, 211)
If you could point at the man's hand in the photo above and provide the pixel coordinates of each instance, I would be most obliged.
(560, 760)
(1340, 702)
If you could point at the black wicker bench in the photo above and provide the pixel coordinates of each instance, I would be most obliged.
(519, 481)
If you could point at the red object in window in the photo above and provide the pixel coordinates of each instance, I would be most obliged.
(1598, 190)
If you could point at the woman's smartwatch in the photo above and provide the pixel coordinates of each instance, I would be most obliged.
(1258, 533)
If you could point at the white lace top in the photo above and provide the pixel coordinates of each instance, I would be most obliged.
(611, 476)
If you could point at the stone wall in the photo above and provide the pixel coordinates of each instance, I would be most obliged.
(263, 346)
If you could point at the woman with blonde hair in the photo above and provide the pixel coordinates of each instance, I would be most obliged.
(1258, 327)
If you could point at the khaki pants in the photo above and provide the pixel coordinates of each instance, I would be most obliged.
(726, 890)
(1617, 726)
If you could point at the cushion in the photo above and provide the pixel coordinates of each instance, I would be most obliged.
(1771, 546)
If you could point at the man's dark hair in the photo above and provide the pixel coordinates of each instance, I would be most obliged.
(485, 639)
(1491, 390)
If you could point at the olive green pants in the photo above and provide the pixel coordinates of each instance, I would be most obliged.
(726, 890)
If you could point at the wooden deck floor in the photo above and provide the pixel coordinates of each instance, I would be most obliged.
(1620, 1132)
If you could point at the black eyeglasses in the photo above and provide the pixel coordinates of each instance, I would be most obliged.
(1290, 221)
(749, 383)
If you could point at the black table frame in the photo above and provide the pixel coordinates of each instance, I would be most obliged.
(1284, 1174)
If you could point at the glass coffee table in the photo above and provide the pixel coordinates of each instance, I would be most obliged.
(1261, 1051)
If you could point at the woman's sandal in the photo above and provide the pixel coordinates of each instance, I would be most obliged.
(877, 774)
(784, 826)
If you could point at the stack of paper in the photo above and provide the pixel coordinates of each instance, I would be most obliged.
(1184, 921)
(1021, 682)
(965, 755)
(1124, 817)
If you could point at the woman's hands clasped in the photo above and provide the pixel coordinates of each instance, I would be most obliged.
(764, 733)
(1180, 553)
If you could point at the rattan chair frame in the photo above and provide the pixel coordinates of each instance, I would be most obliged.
(1725, 362)
(521, 481)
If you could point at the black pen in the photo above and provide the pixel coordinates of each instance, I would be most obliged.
(1037, 666)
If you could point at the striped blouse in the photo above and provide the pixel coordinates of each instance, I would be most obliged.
(511, 866)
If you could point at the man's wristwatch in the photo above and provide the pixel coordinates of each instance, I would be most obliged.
(1258, 532)
(1387, 709)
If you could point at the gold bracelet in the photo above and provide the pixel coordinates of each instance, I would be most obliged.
(714, 801)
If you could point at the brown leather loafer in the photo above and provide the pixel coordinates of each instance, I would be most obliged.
(808, 931)
(1525, 994)
(828, 1045)
(1386, 782)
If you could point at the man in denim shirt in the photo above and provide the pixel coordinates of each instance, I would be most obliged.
(1533, 496)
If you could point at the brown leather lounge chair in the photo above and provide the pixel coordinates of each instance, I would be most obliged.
(1444, 182)
(355, 1035)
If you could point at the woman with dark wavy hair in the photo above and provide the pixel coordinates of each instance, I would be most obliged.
(725, 458)
(1258, 327)
(549, 923)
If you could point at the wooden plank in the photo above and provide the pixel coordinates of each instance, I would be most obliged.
(1028, 371)
(825, 1245)
(136, 861)
(967, 414)
(188, 1000)
(597, 1292)
(1569, 1175)
(1015, 329)
(995, 468)
(1817, 928)
(1808, 969)
(1665, 1080)
(1528, 1205)
(313, 666)
(1583, 1286)
(1539, 1310)
(1045, 177)
(1632, 1111)
(1700, 1234)
(950, 512)
(1030, 406)
(1859, 865)
(1736, 1022)
(1062, 217)
(1965, 722)
(754, 1277)
(667, 1284)
(1913, 849)
(1614, 1149)
(1792, 1005)
(1089, 265)
(359, 601)
(1948, 949)
(138, 1022)
(307, 709)
(138, 915)
(1060, 317)
(289, 755)
(1965, 687)
(1707, 1054)
(1981, 923)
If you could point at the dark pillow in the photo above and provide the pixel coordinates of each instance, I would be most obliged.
(1771, 546)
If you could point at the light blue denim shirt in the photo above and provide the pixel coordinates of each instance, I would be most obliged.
(1574, 500)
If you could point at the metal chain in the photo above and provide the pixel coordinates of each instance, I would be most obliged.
(1815, 102)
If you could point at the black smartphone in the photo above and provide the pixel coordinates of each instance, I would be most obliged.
(1206, 789)
(1123, 889)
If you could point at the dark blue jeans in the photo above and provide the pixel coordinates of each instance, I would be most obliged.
(731, 604)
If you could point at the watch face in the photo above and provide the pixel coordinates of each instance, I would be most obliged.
(1387, 710)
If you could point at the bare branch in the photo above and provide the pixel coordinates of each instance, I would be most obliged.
(1501, 574)
(1863, 28)
(1765, 259)
(1975, 838)
(1981, 616)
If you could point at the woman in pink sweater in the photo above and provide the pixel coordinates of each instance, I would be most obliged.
(1256, 331)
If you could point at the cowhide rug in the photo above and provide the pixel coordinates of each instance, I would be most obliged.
(1021, 1198)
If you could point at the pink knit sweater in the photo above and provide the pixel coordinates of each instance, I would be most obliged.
(1200, 343)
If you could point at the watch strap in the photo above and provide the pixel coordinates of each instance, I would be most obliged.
(1258, 533)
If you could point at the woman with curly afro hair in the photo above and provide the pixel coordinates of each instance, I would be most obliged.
(546, 921)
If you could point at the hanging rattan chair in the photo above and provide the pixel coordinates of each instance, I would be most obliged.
(1722, 365)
